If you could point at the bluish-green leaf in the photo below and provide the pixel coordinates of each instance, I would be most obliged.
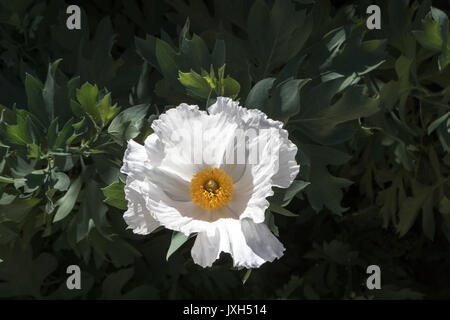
(115, 195)
(67, 202)
(178, 239)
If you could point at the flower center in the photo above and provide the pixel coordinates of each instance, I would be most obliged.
(211, 188)
(211, 185)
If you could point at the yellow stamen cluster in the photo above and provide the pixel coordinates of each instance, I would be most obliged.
(211, 188)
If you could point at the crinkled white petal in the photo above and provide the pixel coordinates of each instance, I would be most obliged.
(192, 136)
(261, 240)
(206, 249)
(137, 216)
(236, 113)
(255, 185)
(288, 167)
(171, 183)
(183, 216)
(249, 244)
(135, 161)
(155, 150)
(171, 125)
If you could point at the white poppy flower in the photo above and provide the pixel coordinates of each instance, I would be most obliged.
(210, 173)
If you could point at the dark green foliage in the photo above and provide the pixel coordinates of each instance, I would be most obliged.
(368, 109)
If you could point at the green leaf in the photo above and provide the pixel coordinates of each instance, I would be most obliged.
(412, 206)
(7, 198)
(62, 181)
(166, 56)
(33, 151)
(276, 35)
(115, 195)
(430, 37)
(218, 54)
(20, 133)
(269, 220)
(147, 50)
(325, 189)
(72, 86)
(436, 123)
(279, 102)
(390, 199)
(295, 188)
(49, 90)
(195, 53)
(87, 97)
(79, 129)
(35, 179)
(7, 115)
(359, 56)
(324, 123)
(246, 276)
(21, 275)
(290, 70)
(94, 58)
(231, 88)
(64, 135)
(283, 197)
(435, 35)
(403, 66)
(259, 94)
(178, 239)
(52, 132)
(128, 124)
(280, 210)
(92, 212)
(35, 100)
(201, 86)
(196, 85)
(290, 98)
(6, 180)
(106, 110)
(19, 209)
(67, 202)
